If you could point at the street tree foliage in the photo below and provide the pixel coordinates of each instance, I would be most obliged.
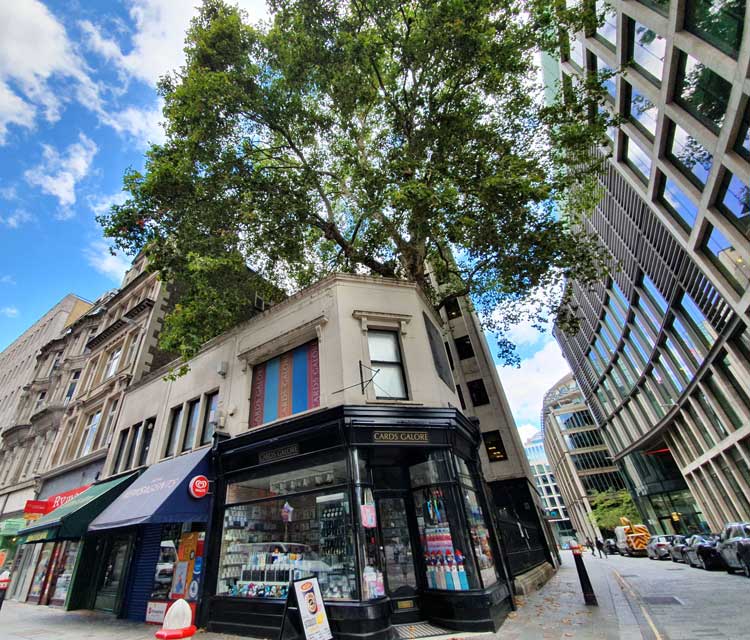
(607, 507)
(397, 138)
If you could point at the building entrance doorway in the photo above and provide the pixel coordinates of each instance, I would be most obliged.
(115, 553)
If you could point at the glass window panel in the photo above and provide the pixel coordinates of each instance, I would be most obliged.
(689, 155)
(662, 6)
(714, 418)
(723, 402)
(696, 318)
(727, 259)
(643, 344)
(577, 53)
(607, 32)
(734, 202)
(595, 362)
(635, 361)
(679, 203)
(174, 431)
(643, 111)
(210, 418)
(480, 537)
(637, 159)
(649, 314)
(647, 49)
(683, 335)
(656, 405)
(684, 370)
(736, 376)
(608, 339)
(617, 312)
(192, 425)
(718, 22)
(699, 425)
(742, 144)
(608, 80)
(654, 294)
(701, 92)
(267, 544)
(383, 346)
(389, 382)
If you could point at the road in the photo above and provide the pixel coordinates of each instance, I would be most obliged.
(695, 605)
(639, 599)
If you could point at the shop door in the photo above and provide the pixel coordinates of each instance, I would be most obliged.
(112, 575)
(398, 555)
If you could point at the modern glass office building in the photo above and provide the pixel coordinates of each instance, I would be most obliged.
(663, 352)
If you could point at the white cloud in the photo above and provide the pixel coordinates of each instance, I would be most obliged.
(524, 333)
(157, 42)
(36, 49)
(99, 255)
(9, 312)
(102, 204)
(59, 173)
(142, 124)
(526, 431)
(525, 386)
(16, 219)
(6, 279)
(8, 193)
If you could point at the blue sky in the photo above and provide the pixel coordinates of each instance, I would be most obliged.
(78, 106)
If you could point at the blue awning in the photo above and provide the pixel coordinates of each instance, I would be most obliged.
(160, 495)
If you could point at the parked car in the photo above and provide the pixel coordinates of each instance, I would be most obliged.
(734, 547)
(701, 551)
(676, 548)
(611, 546)
(658, 547)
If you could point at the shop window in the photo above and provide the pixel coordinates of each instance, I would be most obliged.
(388, 380)
(493, 443)
(175, 424)
(286, 385)
(164, 570)
(460, 394)
(734, 202)
(89, 433)
(477, 392)
(643, 112)
(191, 427)
(637, 159)
(678, 203)
(646, 49)
(269, 540)
(464, 348)
(717, 22)
(210, 417)
(726, 258)
(607, 32)
(701, 92)
(453, 309)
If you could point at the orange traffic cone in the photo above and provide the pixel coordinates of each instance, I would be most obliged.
(177, 622)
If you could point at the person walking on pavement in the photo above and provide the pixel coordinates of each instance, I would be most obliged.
(600, 547)
(590, 545)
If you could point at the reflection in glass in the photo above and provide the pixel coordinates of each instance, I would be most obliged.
(637, 159)
(643, 111)
(679, 203)
(742, 143)
(662, 6)
(399, 560)
(654, 293)
(648, 49)
(727, 258)
(735, 202)
(718, 22)
(608, 31)
(686, 339)
(689, 155)
(607, 78)
(702, 92)
(576, 53)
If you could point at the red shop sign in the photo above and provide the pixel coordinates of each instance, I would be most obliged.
(198, 487)
(35, 508)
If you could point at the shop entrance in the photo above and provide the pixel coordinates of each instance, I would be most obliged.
(398, 556)
(115, 553)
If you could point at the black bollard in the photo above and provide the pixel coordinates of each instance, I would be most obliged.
(589, 597)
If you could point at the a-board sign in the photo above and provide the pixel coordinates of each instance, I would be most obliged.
(305, 597)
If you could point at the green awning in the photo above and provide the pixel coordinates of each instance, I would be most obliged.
(11, 526)
(72, 519)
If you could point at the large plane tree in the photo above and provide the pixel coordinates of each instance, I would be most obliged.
(397, 138)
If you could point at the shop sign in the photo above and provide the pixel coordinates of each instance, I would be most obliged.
(401, 437)
(198, 487)
(281, 453)
(38, 536)
(35, 509)
(311, 610)
(155, 612)
(59, 499)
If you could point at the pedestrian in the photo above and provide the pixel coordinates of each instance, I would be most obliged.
(600, 547)
(590, 545)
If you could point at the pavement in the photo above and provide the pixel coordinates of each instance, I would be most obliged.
(691, 604)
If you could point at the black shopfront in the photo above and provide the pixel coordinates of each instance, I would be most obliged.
(384, 505)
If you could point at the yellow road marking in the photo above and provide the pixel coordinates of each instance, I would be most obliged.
(646, 615)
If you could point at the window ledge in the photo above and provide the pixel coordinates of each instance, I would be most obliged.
(412, 403)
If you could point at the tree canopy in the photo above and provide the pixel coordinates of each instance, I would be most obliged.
(399, 138)
(607, 507)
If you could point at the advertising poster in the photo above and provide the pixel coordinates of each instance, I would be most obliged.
(155, 612)
(180, 580)
(187, 553)
(311, 610)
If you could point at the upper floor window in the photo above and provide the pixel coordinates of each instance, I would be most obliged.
(577, 51)
(647, 49)
(727, 258)
(493, 443)
(89, 434)
(742, 143)
(701, 92)
(388, 380)
(175, 424)
(643, 112)
(637, 159)
(679, 204)
(478, 392)
(661, 6)
(135, 341)
(40, 400)
(734, 202)
(718, 22)
(148, 432)
(286, 384)
(113, 361)
(74, 377)
(464, 348)
(210, 417)
(688, 155)
(191, 428)
(607, 32)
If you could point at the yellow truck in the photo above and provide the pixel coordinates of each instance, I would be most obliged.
(632, 539)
